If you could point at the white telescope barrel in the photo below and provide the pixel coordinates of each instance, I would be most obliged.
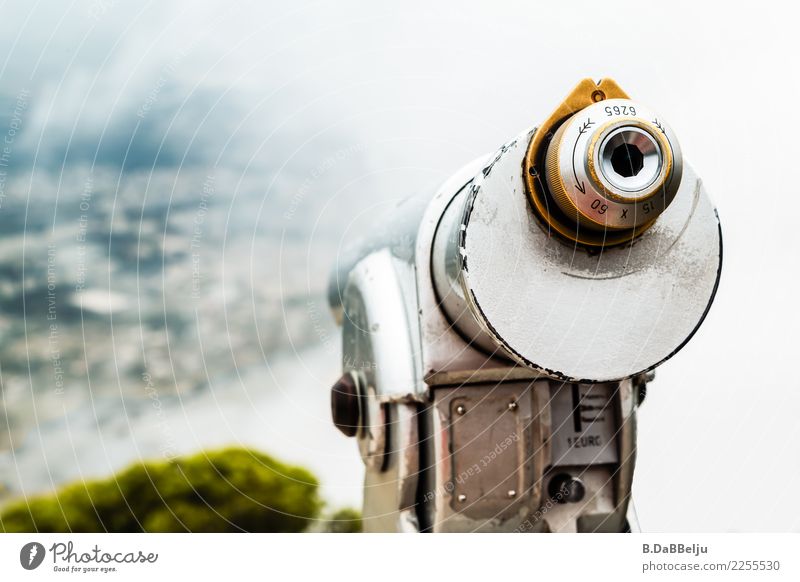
(577, 312)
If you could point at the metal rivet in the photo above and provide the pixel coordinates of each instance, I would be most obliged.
(462, 498)
(512, 493)
(512, 405)
(460, 409)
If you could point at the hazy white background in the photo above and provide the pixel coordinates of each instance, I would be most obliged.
(266, 92)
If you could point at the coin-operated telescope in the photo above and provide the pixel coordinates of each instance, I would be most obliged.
(498, 334)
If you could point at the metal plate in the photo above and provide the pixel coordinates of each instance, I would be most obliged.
(584, 424)
(491, 448)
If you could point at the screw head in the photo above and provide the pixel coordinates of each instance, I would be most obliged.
(512, 494)
(461, 409)
(513, 405)
(462, 498)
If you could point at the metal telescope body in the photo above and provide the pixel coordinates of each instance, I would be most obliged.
(498, 333)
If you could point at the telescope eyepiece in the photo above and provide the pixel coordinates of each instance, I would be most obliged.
(613, 167)
(630, 160)
(602, 167)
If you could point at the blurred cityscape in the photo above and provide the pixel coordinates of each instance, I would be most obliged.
(141, 289)
(163, 263)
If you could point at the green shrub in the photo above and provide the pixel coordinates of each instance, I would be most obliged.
(221, 491)
(345, 521)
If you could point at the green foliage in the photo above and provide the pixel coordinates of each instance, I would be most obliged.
(346, 520)
(221, 491)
